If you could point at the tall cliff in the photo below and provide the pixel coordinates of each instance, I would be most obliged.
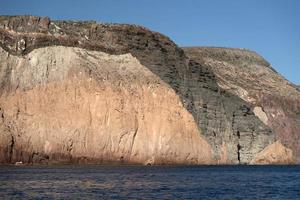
(247, 75)
(87, 92)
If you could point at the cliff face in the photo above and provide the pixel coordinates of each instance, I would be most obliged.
(87, 92)
(247, 75)
(112, 109)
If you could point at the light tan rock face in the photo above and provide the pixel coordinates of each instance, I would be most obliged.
(274, 100)
(258, 111)
(69, 104)
(275, 153)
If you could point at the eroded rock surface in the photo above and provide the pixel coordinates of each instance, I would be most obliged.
(276, 153)
(88, 92)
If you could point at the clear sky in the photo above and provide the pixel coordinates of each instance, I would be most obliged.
(269, 27)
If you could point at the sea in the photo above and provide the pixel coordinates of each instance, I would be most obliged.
(149, 182)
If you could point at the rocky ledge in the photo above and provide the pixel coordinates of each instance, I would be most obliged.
(84, 92)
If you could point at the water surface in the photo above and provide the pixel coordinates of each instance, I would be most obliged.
(140, 182)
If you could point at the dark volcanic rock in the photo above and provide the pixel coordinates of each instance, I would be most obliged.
(247, 75)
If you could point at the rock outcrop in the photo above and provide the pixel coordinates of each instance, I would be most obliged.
(274, 100)
(84, 92)
(276, 153)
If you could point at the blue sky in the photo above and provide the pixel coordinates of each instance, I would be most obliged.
(269, 27)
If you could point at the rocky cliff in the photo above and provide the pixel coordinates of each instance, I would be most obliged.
(84, 92)
(274, 100)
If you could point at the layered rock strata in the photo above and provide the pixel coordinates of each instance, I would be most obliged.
(90, 93)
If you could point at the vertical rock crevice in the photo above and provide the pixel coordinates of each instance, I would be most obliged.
(11, 149)
(239, 153)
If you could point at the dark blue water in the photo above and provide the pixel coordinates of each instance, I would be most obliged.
(136, 182)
